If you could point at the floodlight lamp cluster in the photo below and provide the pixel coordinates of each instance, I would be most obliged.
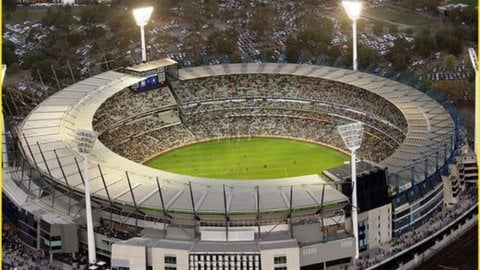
(353, 8)
(142, 15)
(85, 140)
(351, 135)
(473, 59)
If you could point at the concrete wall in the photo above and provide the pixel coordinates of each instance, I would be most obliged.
(158, 258)
(323, 252)
(293, 258)
(134, 257)
(379, 225)
(68, 233)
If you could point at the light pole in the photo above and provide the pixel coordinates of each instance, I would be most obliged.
(142, 15)
(85, 141)
(352, 137)
(353, 9)
(474, 60)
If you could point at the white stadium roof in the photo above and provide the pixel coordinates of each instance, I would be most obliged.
(52, 125)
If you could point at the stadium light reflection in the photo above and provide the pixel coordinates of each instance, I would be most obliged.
(352, 137)
(353, 9)
(85, 140)
(142, 15)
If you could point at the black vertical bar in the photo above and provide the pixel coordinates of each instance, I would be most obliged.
(44, 160)
(290, 215)
(227, 219)
(36, 166)
(195, 217)
(61, 169)
(165, 214)
(22, 173)
(49, 173)
(258, 213)
(66, 181)
(426, 169)
(105, 185)
(131, 191)
(412, 176)
(445, 162)
(16, 137)
(79, 171)
(133, 198)
(191, 199)
(321, 211)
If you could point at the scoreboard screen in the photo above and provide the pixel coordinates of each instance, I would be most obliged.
(152, 82)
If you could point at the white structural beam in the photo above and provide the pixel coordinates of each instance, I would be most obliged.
(474, 60)
(85, 141)
(352, 137)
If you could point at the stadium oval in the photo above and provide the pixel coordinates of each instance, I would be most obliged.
(51, 126)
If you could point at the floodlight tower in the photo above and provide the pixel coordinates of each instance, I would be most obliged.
(85, 141)
(142, 15)
(353, 9)
(474, 60)
(352, 137)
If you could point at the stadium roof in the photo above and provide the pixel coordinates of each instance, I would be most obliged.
(52, 125)
(343, 172)
(151, 65)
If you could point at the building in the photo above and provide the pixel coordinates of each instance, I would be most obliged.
(151, 219)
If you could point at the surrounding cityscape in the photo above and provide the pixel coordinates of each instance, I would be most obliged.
(395, 38)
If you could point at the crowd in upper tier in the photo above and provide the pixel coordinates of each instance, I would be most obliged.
(141, 125)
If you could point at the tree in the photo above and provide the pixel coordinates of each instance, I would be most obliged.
(223, 42)
(449, 61)
(425, 44)
(292, 49)
(76, 37)
(453, 45)
(8, 52)
(367, 56)
(44, 67)
(263, 19)
(60, 18)
(92, 14)
(9, 5)
(399, 55)
(393, 29)
(378, 28)
(95, 32)
(31, 57)
(400, 62)
(361, 25)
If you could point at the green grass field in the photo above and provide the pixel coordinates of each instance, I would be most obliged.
(256, 158)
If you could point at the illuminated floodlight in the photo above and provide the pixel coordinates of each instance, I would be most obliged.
(353, 9)
(352, 137)
(142, 15)
(85, 140)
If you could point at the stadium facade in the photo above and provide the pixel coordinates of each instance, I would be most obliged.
(151, 219)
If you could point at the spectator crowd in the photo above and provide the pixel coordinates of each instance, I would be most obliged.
(140, 125)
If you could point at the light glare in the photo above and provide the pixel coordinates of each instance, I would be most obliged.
(353, 8)
(142, 15)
